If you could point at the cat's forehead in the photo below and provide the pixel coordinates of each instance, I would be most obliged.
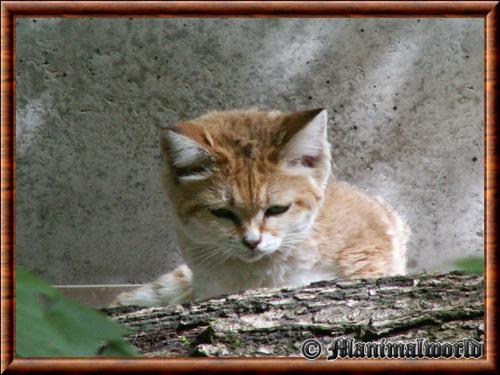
(241, 131)
(254, 191)
(245, 188)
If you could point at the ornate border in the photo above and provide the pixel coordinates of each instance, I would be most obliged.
(10, 10)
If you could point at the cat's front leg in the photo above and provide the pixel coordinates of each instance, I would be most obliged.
(172, 288)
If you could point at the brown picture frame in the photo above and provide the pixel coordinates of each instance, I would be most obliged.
(10, 10)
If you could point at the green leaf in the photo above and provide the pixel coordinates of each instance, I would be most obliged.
(50, 325)
(471, 264)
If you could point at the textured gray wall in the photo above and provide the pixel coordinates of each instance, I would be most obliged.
(406, 121)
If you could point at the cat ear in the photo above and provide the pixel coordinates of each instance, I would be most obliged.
(185, 150)
(304, 138)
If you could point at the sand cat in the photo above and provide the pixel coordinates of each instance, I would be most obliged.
(256, 206)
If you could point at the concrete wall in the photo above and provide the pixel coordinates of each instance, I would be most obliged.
(405, 98)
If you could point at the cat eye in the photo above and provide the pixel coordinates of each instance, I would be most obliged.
(276, 210)
(226, 214)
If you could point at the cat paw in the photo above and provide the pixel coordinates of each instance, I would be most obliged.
(169, 289)
(145, 296)
(124, 299)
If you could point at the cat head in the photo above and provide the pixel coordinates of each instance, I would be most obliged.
(248, 183)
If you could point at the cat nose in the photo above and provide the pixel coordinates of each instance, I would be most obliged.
(251, 244)
(252, 237)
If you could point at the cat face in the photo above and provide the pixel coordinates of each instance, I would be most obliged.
(252, 224)
(247, 184)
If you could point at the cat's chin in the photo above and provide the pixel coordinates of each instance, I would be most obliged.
(253, 257)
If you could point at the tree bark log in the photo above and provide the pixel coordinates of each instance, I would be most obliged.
(275, 322)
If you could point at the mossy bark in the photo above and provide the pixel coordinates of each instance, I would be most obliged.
(274, 322)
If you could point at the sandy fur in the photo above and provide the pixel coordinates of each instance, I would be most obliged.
(246, 161)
